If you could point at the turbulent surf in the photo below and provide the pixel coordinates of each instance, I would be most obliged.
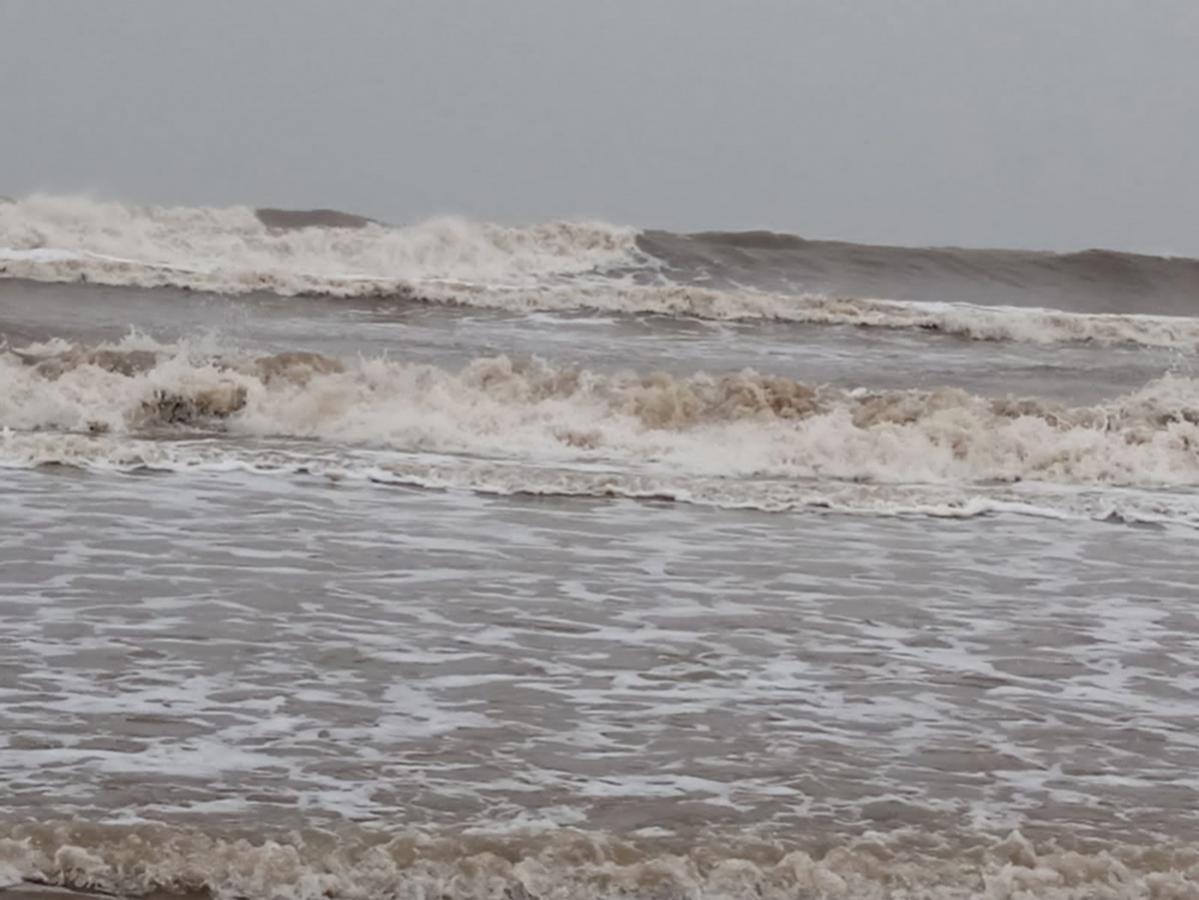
(731, 425)
(341, 558)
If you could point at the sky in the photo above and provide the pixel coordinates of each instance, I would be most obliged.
(1052, 124)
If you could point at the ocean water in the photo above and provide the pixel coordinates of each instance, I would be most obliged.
(340, 559)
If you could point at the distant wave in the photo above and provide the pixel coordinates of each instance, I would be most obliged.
(1100, 297)
(1091, 281)
(981, 323)
(238, 249)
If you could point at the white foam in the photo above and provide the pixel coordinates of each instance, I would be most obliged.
(449, 472)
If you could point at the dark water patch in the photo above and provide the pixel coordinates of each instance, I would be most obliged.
(311, 218)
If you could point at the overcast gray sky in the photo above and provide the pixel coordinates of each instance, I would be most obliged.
(1031, 123)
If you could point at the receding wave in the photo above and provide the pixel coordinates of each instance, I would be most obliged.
(566, 267)
(738, 438)
(159, 859)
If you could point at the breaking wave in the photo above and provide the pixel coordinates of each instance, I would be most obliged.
(579, 266)
(233, 250)
(715, 434)
(144, 859)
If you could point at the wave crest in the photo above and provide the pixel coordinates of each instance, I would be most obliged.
(232, 250)
(734, 425)
(558, 266)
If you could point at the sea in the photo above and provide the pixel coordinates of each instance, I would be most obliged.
(573, 561)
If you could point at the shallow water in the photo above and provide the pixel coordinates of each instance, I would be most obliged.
(290, 652)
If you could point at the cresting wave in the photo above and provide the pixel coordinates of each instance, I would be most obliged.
(136, 860)
(554, 267)
(725, 427)
(232, 250)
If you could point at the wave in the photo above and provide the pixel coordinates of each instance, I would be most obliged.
(206, 454)
(1091, 281)
(235, 250)
(982, 323)
(728, 428)
(559, 267)
(166, 860)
